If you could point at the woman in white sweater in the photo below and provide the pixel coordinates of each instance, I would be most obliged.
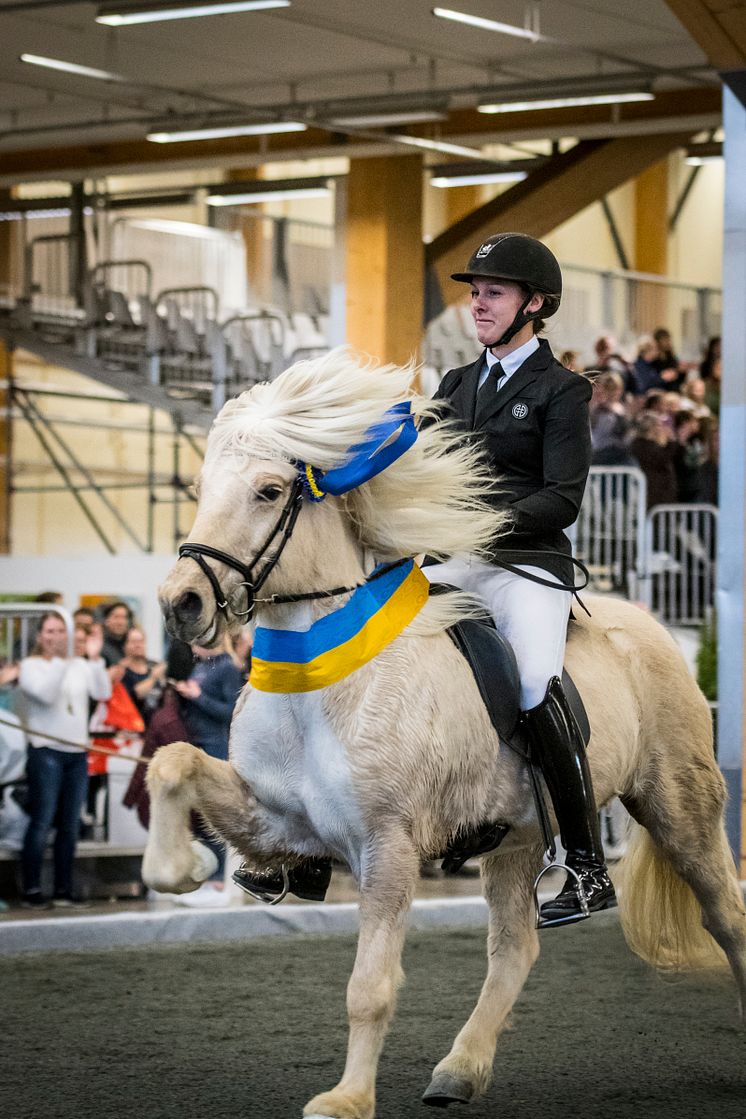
(57, 690)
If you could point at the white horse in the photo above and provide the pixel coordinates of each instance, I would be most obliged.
(381, 769)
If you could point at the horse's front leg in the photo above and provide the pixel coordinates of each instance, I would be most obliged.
(182, 779)
(376, 977)
(513, 947)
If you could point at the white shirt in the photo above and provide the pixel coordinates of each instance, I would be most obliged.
(57, 692)
(510, 363)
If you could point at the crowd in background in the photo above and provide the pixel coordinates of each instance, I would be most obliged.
(659, 413)
(109, 692)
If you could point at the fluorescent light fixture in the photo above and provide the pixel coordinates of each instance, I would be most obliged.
(270, 129)
(566, 102)
(435, 146)
(269, 190)
(381, 120)
(702, 160)
(123, 15)
(265, 196)
(478, 180)
(488, 24)
(70, 68)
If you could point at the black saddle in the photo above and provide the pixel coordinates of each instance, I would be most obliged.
(493, 664)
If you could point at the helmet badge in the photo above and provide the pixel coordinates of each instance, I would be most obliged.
(485, 249)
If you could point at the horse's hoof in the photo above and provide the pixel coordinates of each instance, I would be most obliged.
(445, 1089)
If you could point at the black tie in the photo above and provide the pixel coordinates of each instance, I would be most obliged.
(486, 394)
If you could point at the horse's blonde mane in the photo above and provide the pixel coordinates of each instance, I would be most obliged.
(430, 500)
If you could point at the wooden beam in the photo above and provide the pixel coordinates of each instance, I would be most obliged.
(553, 194)
(718, 27)
(461, 123)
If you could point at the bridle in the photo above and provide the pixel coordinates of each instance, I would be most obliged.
(284, 529)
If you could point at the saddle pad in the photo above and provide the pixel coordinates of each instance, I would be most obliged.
(492, 661)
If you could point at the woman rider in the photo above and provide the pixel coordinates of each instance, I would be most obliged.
(530, 415)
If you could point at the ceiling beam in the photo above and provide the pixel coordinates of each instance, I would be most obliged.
(718, 27)
(553, 194)
(138, 154)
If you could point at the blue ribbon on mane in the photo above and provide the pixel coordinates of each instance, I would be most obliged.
(383, 443)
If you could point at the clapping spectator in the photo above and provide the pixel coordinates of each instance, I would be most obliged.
(609, 423)
(609, 360)
(57, 689)
(143, 678)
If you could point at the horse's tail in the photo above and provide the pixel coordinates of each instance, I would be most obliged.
(660, 916)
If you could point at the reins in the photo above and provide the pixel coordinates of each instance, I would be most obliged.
(138, 759)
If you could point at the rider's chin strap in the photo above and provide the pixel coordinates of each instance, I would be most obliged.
(518, 323)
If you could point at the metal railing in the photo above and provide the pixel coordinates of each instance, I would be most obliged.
(609, 534)
(679, 574)
(17, 632)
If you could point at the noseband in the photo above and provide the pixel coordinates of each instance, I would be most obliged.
(283, 528)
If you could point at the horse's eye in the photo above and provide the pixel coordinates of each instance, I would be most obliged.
(269, 493)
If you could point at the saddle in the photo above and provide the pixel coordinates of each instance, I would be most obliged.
(492, 662)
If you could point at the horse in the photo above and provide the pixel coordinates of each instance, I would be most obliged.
(384, 767)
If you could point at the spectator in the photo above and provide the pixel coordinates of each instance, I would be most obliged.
(117, 621)
(646, 374)
(712, 388)
(57, 689)
(143, 678)
(670, 369)
(209, 697)
(654, 453)
(710, 470)
(688, 456)
(694, 392)
(609, 423)
(608, 360)
(84, 618)
(712, 355)
(571, 360)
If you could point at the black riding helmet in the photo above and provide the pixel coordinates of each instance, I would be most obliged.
(525, 261)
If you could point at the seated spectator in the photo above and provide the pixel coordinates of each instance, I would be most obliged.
(571, 360)
(654, 452)
(58, 690)
(694, 392)
(671, 370)
(646, 375)
(84, 617)
(143, 678)
(117, 621)
(608, 360)
(609, 423)
(688, 457)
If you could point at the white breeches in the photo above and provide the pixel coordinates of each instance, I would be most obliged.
(531, 617)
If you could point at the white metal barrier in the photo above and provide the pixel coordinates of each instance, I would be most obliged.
(609, 534)
(679, 571)
(17, 631)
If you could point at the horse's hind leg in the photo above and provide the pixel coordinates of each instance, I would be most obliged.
(182, 779)
(376, 977)
(513, 947)
(683, 813)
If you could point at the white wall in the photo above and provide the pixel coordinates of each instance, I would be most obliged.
(138, 576)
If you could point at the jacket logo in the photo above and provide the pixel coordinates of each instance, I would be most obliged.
(520, 410)
(485, 249)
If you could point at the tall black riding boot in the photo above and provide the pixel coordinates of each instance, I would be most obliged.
(557, 746)
(308, 880)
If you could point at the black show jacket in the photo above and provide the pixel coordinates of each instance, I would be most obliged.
(536, 437)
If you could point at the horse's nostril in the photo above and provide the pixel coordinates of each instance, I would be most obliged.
(188, 607)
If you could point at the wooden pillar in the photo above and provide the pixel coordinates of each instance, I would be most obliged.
(385, 257)
(461, 201)
(651, 240)
(258, 247)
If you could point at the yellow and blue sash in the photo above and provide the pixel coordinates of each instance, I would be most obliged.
(337, 645)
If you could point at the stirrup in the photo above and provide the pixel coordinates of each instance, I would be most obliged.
(571, 917)
(266, 895)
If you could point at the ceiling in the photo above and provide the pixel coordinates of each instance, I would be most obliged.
(314, 59)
